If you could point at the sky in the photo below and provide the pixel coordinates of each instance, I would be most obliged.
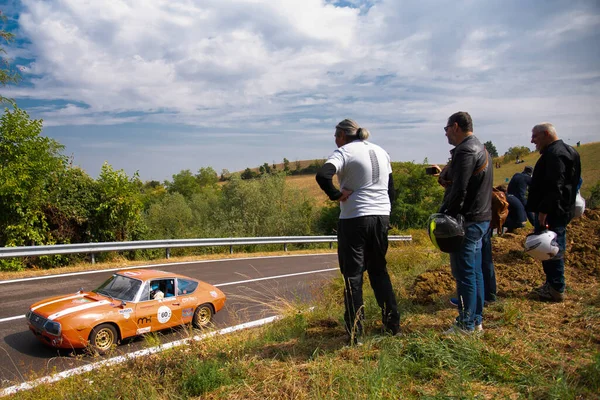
(167, 85)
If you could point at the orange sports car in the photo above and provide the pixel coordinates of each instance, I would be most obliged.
(129, 303)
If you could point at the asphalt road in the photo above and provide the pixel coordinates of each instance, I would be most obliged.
(254, 288)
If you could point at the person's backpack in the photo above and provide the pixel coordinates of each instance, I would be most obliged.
(499, 209)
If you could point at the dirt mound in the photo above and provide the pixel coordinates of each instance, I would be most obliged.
(516, 272)
(432, 284)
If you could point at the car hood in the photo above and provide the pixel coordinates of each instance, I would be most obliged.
(56, 307)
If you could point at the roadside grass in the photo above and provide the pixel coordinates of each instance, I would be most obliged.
(528, 350)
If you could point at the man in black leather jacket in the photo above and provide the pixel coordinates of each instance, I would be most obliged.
(552, 198)
(469, 193)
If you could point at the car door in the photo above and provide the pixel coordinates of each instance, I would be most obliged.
(187, 298)
(145, 311)
(154, 314)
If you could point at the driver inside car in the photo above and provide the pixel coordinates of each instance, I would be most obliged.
(156, 293)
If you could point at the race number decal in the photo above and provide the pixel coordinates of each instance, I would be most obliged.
(164, 314)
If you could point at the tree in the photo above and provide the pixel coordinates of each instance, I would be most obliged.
(69, 205)
(170, 218)
(185, 183)
(248, 174)
(29, 163)
(117, 213)
(267, 168)
(518, 151)
(286, 165)
(225, 175)
(207, 177)
(6, 75)
(491, 149)
(417, 195)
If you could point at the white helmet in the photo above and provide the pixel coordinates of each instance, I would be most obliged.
(579, 206)
(542, 245)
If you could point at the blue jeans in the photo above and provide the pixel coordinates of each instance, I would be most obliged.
(466, 269)
(487, 267)
(555, 267)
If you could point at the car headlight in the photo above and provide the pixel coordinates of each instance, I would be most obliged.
(52, 328)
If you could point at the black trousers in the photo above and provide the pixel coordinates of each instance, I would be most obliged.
(362, 246)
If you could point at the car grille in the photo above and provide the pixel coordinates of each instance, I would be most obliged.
(37, 321)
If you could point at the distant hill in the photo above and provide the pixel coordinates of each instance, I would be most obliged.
(590, 165)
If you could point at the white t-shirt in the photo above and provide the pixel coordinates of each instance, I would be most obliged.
(364, 168)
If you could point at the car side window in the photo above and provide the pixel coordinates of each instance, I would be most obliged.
(186, 286)
(161, 288)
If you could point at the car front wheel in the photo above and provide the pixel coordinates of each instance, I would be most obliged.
(202, 316)
(103, 338)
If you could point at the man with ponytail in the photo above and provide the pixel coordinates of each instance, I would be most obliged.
(365, 195)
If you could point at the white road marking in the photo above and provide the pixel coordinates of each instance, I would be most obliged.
(151, 266)
(228, 284)
(12, 318)
(140, 353)
(276, 277)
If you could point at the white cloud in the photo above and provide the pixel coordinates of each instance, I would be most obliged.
(295, 67)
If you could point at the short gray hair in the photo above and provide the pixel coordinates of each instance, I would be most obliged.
(545, 127)
(352, 129)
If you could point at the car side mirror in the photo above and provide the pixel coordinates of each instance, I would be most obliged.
(123, 303)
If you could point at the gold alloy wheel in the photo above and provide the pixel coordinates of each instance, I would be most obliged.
(103, 338)
(203, 315)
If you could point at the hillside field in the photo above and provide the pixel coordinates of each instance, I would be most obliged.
(590, 166)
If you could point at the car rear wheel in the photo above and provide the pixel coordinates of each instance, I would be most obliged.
(202, 316)
(103, 338)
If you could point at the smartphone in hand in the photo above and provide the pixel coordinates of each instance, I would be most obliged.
(432, 170)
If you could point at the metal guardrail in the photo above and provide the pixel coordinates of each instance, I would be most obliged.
(92, 248)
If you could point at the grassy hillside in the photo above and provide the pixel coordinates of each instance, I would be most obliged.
(590, 167)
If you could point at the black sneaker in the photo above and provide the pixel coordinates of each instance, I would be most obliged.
(548, 293)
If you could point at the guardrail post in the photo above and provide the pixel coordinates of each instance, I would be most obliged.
(168, 253)
(93, 256)
(331, 245)
(231, 249)
(285, 247)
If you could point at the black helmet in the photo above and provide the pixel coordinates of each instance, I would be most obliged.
(446, 233)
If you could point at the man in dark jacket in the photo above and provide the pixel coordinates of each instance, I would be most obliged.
(552, 198)
(519, 184)
(468, 193)
(518, 187)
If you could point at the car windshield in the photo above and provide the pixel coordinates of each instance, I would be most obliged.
(119, 287)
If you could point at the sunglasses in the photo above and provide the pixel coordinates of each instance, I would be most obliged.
(446, 128)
